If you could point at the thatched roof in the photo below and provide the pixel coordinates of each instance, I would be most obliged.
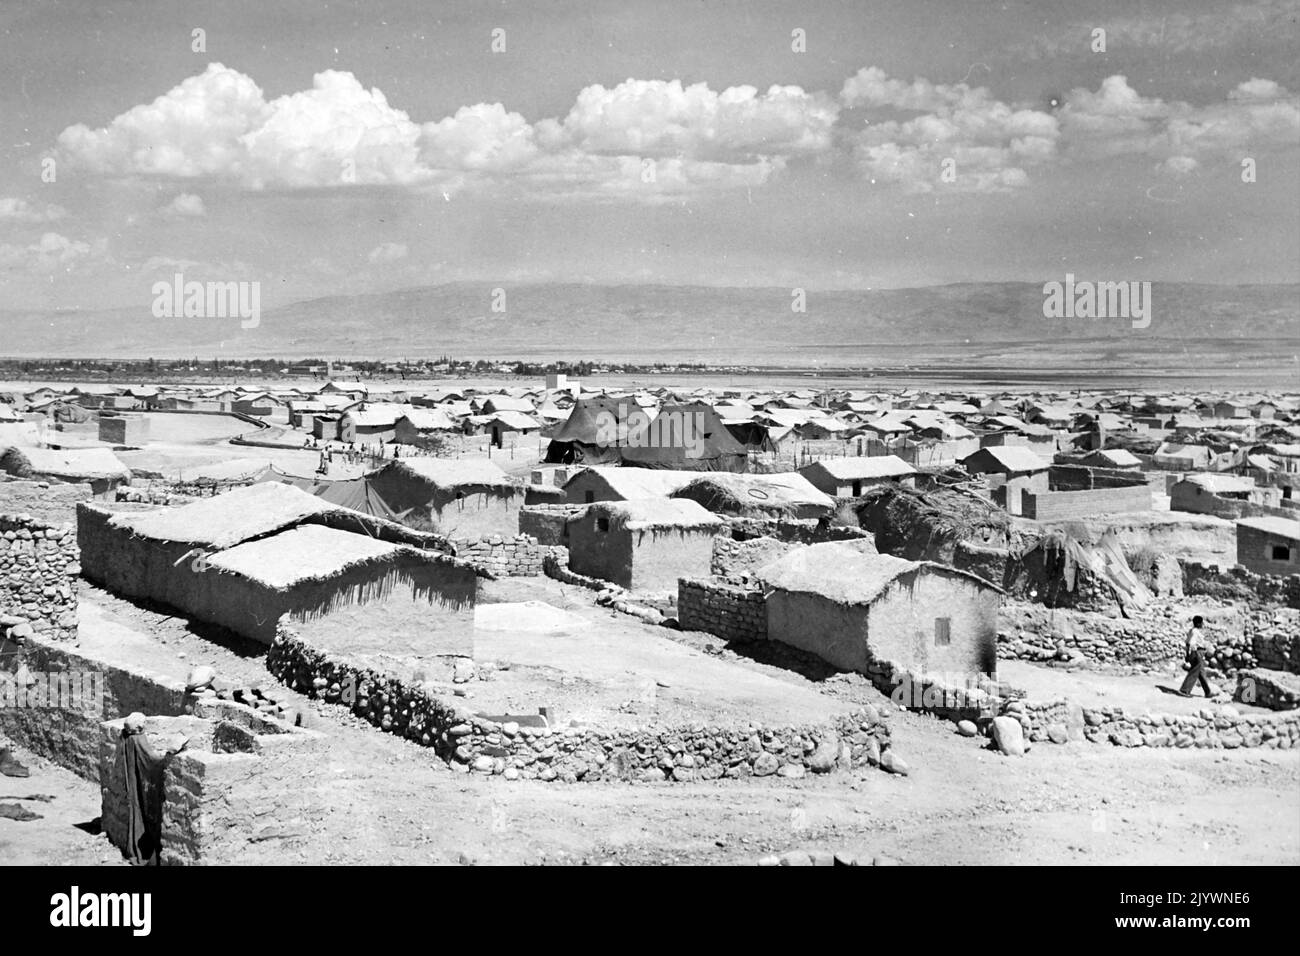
(70, 465)
(226, 520)
(783, 492)
(832, 570)
(454, 473)
(636, 483)
(656, 514)
(845, 574)
(944, 512)
(854, 469)
(309, 552)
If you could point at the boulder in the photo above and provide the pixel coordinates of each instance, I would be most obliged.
(1009, 736)
(967, 728)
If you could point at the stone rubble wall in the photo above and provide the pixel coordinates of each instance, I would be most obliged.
(1032, 632)
(1276, 690)
(501, 555)
(738, 559)
(39, 570)
(474, 744)
(1275, 641)
(1207, 729)
(157, 495)
(548, 523)
(1239, 584)
(732, 612)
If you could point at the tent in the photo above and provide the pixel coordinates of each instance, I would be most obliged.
(688, 437)
(584, 436)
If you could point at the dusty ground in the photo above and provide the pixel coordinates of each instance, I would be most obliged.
(393, 802)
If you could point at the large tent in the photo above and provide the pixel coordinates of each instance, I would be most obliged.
(584, 438)
(687, 437)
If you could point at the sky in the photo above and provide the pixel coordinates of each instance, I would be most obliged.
(338, 148)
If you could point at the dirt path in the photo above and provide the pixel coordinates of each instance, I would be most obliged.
(393, 802)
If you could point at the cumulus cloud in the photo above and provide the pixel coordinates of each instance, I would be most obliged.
(961, 137)
(49, 253)
(186, 204)
(388, 252)
(657, 140)
(1258, 115)
(987, 145)
(219, 125)
(13, 209)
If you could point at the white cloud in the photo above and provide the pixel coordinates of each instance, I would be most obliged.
(657, 140)
(50, 253)
(13, 209)
(981, 143)
(186, 204)
(388, 252)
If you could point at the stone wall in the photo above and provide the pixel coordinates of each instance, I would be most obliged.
(528, 749)
(548, 523)
(738, 559)
(1275, 639)
(38, 577)
(54, 503)
(1239, 584)
(242, 778)
(1207, 729)
(732, 612)
(1276, 690)
(792, 530)
(68, 734)
(1152, 641)
(500, 555)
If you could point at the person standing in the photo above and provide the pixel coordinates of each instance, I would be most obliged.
(1194, 655)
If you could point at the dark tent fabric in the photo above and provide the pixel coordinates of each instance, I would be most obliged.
(585, 436)
(753, 435)
(144, 769)
(357, 494)
(686, 437)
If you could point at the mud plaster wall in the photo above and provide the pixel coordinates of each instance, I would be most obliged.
(69, 737)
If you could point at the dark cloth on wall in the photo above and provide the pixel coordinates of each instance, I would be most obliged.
(144, 797)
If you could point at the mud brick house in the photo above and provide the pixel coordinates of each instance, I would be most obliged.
(785, 495)
(242, 559)
(643, 545)
(462, 498)
(847, 477)
(1012, 471)
(1227, 496)
(97, 467)
(1269, 545)
(852, 608)
(613, 483)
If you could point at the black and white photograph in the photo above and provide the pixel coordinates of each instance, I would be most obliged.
(742, 433)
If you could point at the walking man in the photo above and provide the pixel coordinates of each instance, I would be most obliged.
(1195, 659)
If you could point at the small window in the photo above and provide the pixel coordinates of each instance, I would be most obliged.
(602, 524)
(942, 631)
(1281, 552)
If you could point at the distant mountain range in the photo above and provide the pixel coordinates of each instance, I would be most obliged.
(665, 323)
